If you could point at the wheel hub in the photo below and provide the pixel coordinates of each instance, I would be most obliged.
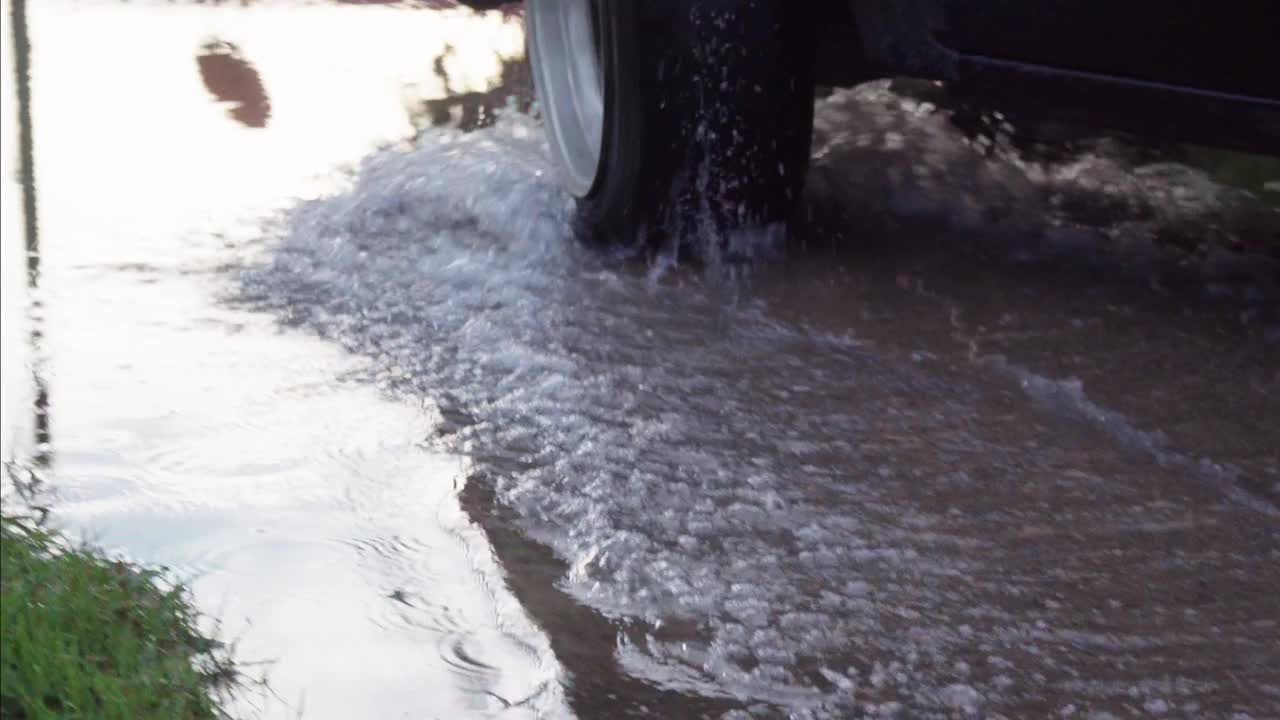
(567, 72)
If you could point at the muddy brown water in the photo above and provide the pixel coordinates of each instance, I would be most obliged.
(308, 327)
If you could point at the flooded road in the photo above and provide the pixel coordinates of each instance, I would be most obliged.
(301, 504)
(986, 439)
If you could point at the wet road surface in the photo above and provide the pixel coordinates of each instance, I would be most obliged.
(981, 441)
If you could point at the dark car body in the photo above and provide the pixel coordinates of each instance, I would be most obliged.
(1195, 71)
(1205, 72)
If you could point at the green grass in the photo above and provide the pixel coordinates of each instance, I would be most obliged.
(1242, 170)
(85, 636)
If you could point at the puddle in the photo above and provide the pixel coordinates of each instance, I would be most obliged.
(305, 509)
(430, 458)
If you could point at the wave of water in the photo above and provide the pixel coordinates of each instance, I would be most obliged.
(777, 507)
(668, 444)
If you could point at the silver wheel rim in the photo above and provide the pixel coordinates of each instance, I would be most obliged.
(568, 79)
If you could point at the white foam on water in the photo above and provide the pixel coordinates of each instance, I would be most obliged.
(702, 468)
(655, 436)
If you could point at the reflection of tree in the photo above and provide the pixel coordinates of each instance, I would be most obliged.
(43, 453)
(27, 171)
(231, 78)
(476, 109)
(508, 7)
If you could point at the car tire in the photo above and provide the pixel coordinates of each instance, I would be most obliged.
(672, 118)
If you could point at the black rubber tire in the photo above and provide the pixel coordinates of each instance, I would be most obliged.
(708, 117)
